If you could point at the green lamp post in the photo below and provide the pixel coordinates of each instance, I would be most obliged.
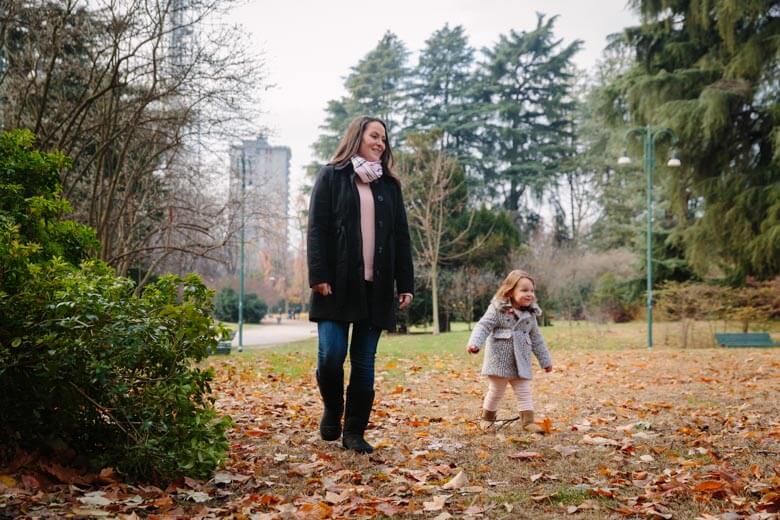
(649, 137)
(241, 261)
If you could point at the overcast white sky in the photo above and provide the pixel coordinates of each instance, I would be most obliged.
(310, 45)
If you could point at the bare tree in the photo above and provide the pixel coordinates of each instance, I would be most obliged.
(469, 286)
(139, 109)
(435, 196)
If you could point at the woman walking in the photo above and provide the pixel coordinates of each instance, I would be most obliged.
(359, 258)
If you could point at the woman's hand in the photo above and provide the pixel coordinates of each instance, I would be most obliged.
(404, 300)
(472, 349)
(322, 288)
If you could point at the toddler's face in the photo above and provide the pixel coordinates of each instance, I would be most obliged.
(523, 294)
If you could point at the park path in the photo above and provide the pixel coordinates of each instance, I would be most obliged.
(276, 332)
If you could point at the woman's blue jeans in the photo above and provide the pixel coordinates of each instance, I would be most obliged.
(332, 352)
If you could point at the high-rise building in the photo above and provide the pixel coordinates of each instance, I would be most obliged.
(266, 210)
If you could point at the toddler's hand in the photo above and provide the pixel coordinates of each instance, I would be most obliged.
(472, 349)
(548, 369)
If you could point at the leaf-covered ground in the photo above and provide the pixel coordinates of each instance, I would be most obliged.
(631, 433)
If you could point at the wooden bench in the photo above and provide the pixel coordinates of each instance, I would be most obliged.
(223, 346)
(745, 339)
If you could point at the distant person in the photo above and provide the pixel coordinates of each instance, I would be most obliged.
(509, 325)
(359, 252)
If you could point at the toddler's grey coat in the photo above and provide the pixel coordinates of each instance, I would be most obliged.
(511, 337)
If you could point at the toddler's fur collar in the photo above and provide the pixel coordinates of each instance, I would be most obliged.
(506, 305)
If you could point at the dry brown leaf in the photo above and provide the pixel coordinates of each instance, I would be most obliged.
(525, 455)
(565, 451)
(457, 482)
(599, 441)
(91, 512)
(437, 504)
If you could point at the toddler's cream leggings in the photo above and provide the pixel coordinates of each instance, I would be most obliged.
(497, 387)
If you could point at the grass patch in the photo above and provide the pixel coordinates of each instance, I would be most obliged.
(570, 496)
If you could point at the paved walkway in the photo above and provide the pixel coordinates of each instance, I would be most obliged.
(272, 333)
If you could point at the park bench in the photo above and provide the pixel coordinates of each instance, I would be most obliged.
(745, 339)
(223, 346)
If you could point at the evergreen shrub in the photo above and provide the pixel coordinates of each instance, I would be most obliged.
(85, 364)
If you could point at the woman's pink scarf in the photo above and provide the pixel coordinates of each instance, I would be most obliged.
(368, 171)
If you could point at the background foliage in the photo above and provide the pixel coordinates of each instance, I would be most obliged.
(84, 364)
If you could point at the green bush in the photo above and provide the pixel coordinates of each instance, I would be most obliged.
(226, 307)
(614, 299)
(83, 362)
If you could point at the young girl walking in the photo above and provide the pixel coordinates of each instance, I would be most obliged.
(512, 334)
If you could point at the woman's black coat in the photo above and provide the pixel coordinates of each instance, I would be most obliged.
(335, 250)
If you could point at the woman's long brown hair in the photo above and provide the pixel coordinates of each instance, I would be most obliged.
(350, 144)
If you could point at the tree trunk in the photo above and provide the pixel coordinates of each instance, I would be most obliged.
(435, 296)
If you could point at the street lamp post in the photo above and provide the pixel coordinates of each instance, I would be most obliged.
(241, 262)
(649, 137)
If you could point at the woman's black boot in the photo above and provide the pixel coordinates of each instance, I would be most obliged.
(358, 410)
(332, 393)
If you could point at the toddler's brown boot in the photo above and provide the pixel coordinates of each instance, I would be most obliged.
(527, 422)
(488, 420)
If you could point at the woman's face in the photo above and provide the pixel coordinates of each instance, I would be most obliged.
(372, 145)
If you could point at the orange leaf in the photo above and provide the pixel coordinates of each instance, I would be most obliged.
(546, 425)
(709, 486)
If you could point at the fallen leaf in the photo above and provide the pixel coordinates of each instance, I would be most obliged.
(382, 444)
(457, 482)
(599, 441)
(197, 496)
(163, 502)
(90, 512)
(525, 455)
(95, 498)
(224, 477)
(709, 486)
(30, 482)
(337, 498)
(65, 475)
(437, 504)
(565, 451)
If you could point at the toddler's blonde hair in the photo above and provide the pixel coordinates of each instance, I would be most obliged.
(510, 282)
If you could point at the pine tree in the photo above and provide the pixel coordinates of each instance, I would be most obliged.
(619, 192)
(524, 93)
(710, 70)
(374, 87)
(439, 90)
